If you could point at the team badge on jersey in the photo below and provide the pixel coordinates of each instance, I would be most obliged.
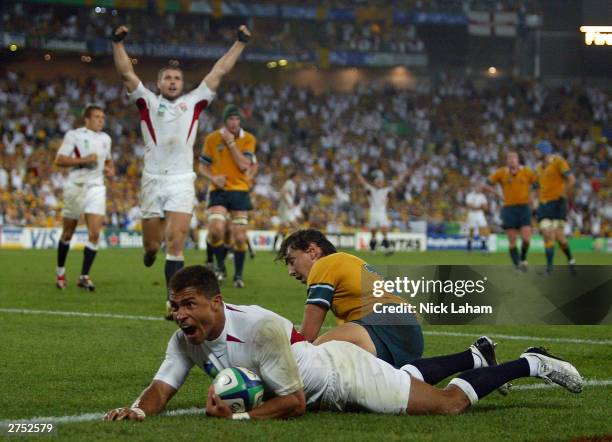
(161, 110)
(183, 106)
(220, 147)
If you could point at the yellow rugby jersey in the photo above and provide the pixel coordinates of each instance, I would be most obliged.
(515, 187)
(551, 178)
(335, 282)
(216, 153)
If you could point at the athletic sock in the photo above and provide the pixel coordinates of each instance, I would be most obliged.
(62, 252)
(479, 382)
(550, 253)
(373, 244)
(218, 251)
(469, 244)
(89, 254)
(239, 256)
(60, 271)
(385, 243)
(209, 253)
(514, 255)
(524, 250)
(433, 370)
(566, 249)
(173, 265)
(483, 244)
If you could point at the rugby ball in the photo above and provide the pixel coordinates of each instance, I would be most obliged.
(240, 388)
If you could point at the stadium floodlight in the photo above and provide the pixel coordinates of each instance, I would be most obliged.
(271, 64)
(492, 70)
(13, 47)
(283, 62)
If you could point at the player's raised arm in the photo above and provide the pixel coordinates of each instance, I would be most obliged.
(123, 64)
(152, 401)
(227, 62)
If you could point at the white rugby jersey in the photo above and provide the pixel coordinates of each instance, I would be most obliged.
(378, 198)
(288, 192)
(169, 128)
(253, 338)
(475, 199)
(79, 143)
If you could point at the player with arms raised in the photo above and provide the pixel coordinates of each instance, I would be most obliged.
(87, 152)
(516, 182)
(169, 124)
(555, 182)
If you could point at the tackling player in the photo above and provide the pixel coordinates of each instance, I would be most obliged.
(476, 203)
(337, 281)
(335, 376)
(378, 196)
(227, 158)
(516, 182)
(555, 183)
(87, 152)
(169, 123)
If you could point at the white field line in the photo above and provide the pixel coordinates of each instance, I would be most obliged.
(426, 332)
(90, 417)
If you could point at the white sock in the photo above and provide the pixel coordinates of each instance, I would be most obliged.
(91, 245)
(413, 371)
(60, 271)
(534, 364)
(477, 360)
(174, 258)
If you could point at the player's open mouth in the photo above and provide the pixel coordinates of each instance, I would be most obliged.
(189, 330)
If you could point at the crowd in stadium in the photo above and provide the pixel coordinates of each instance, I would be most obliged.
(449, 136)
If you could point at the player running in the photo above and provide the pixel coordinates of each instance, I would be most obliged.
(476, 203)
(87, 152)
(335, 376)
(227, 157)
(516, 182)
(169, 124)
(555, 183)
(287, 207)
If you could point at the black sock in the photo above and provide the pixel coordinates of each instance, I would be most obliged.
(385, 243)
(172, 266)
(550, 253)
(483, 244)
(437, 368)
(88, 259)
(487, 379)
(566, 249)
(514, 255)
(469, 244)
(238, 263)
(524, 250)
(209, 253)
(62, 252)
(373, 243)
(219, 253)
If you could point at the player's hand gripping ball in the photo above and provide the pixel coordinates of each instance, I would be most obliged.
(240, 388)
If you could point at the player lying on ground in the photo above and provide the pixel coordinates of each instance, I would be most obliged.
(335, 281)
(336, 376)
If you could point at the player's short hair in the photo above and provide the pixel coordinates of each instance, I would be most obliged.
(168, 67)
(90, 108)
(301, 239)
(198, 277)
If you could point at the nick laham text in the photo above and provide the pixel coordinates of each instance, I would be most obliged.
(429, 308)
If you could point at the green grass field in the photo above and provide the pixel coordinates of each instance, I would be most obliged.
(75, 367)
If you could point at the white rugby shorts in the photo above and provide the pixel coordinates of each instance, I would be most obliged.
(83, 198)
(167, 193)
(476, 220)
(378, 219)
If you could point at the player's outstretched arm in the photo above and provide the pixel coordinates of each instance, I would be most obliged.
(279, 407)
(314, 316)
(152, 401)
(123, 64)
(226, 63)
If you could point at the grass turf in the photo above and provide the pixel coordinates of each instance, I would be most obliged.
(61, 366)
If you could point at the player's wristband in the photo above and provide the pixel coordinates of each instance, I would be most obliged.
(243, 37)
(138, 411)
(117, 37)
(241, 417)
